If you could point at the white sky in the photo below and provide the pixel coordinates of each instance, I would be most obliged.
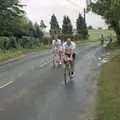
(43, 9)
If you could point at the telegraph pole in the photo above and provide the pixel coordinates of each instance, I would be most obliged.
(84, 14)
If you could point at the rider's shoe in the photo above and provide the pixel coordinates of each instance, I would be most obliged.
(72, 73)
(60, 62)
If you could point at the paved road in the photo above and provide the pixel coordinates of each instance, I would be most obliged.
(30, 89)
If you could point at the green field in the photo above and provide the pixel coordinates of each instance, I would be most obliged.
(95, 35)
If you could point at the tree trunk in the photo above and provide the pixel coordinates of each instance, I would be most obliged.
(118, 38)
(117, 31)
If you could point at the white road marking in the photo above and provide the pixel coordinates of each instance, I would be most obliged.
(46, 63)
(5, 85)
(21, 73)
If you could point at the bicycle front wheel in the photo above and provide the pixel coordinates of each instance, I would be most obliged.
(65, 75)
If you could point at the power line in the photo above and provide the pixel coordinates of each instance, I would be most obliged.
(71, 2)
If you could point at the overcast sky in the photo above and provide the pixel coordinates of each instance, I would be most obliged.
(43, 9)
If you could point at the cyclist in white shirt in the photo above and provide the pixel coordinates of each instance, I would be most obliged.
(57, 49)
(69, 50)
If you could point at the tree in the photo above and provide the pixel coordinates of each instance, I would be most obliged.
(30, 28)
(10, 13)
(90, 27)
(110, 10)
(42, 25)
(67, 28)
(37, 31)
(54, 26)
(24, 28)
(100, 28)
(64, 26)
(82, 30)
(70, 27)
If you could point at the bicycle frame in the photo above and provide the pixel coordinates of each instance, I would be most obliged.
(67, 71)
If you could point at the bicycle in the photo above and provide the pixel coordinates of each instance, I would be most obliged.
(67, 70)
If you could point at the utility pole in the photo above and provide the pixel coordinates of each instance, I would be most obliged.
(84, 14)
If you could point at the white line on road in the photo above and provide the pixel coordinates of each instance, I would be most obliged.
(5, 85)
(20, 74)
(46, 63)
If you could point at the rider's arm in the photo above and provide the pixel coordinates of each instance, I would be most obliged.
(72, 50)
(53, 44)
(63, 50)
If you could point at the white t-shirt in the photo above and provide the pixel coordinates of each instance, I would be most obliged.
(56, 44)
(67, 48)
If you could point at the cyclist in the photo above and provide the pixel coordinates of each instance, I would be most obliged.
(69, 50)
(57, 49)
(102, 40)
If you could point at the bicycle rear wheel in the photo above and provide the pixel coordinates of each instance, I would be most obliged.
(65, 75)
(70, 72)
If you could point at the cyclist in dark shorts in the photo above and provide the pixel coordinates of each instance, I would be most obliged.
(69, 50)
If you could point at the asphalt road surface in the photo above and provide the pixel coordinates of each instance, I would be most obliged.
(30, 89)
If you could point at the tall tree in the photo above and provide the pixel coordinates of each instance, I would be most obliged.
(10, 13)
(42, 25)
(110, 10)
(67, 28)
(81, 26)
(90, 27)
(70, 27)
(37, 31)
(54, 26)
(64, 26)
(30, 28)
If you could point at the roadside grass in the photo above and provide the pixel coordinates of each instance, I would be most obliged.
(108, 98)
(13, 53)
(94, 36)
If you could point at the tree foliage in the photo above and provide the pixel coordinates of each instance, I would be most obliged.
(37, 31)
(54, 26)
(110, 10)
(67, 28)
(81, 26)
(42, 25)
(90, 27)
(10, 14)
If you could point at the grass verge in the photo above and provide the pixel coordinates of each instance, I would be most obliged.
(108, 100)
(13, 53)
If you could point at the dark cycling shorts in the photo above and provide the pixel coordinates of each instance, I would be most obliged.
(74, 55)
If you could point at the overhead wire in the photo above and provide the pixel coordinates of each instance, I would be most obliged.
(71, 2)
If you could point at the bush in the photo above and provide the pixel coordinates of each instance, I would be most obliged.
(13, 42)
(30, 42)
(4, 43)
(36, 42)
(81, 37)
(46, 40)
(25, 42)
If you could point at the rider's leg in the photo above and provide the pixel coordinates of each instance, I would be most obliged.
(73, 64)
(54, 56)
(60, 56)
